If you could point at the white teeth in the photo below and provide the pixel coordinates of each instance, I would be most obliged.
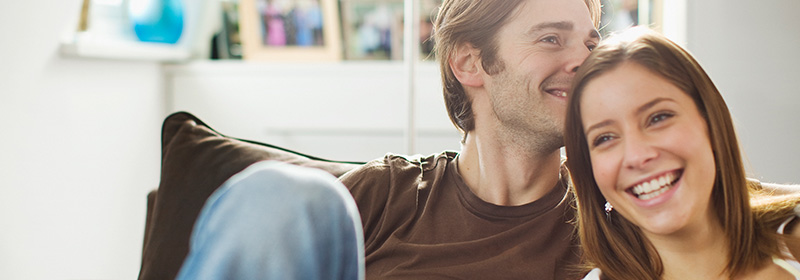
(653, 194)
(653, 188)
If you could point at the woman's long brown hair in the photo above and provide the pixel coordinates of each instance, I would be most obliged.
(616, 245)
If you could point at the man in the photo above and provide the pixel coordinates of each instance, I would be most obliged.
(496, 210)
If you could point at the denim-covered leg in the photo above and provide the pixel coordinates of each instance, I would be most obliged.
(277, 221)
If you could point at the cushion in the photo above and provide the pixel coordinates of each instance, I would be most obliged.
(195, 161)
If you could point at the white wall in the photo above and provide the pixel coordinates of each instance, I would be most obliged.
(80, 148)
(354, 111)
(750, 50)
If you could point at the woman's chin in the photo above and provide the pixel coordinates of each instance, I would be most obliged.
(663, 225)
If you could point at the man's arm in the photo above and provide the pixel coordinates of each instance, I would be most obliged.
(779, 189)
(773, 188)
(369, 185)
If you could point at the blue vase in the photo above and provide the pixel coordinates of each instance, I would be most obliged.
(157, 20)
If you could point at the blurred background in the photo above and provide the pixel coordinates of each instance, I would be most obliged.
(86, 84)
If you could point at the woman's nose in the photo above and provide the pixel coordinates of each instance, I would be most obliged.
(638, 151)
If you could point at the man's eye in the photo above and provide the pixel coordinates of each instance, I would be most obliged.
(550, 39)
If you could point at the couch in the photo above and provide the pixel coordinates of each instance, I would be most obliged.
(195, 161)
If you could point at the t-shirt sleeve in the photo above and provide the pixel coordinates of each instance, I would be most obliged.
(369, 184)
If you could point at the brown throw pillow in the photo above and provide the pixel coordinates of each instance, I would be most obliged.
(195, 161)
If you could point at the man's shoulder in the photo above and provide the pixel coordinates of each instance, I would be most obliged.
(392, 161)
(391, 165)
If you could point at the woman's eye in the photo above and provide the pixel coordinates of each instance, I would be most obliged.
(591, 47)
(659, 117)
(599, 140)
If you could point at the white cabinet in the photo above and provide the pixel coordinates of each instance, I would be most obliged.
(344, 110)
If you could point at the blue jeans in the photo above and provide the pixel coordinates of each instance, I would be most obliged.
(277, 221)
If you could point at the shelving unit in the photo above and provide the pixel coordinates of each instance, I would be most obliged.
(105, 48)
(105, 32)
(349, 110)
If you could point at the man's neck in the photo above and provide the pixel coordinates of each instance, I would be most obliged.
(507, 175)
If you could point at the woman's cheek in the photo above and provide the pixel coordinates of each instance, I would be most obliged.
(603, 171)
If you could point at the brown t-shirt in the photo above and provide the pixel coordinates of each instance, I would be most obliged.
(421, 221)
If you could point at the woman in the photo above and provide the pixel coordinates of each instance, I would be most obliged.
(660, 185)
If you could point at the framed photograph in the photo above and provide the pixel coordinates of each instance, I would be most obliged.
(227, 42)
(621, 14)
(373, 29)
(290, 30)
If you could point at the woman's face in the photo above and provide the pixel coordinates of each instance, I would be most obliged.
(650, 150)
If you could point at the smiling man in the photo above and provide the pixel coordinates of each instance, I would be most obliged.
(498, 209)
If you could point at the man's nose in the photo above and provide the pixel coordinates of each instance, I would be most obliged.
(577, 54)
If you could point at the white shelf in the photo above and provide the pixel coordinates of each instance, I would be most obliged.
(87, 46)
(248, 68)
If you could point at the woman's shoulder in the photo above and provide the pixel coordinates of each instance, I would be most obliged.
(790, 265)
(593, 275)
(789, 260)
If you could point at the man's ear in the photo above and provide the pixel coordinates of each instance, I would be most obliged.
(466, 65)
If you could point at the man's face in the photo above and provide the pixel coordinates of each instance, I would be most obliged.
(540, 48)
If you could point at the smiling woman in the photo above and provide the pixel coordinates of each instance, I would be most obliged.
(644, 163)
(658, 176)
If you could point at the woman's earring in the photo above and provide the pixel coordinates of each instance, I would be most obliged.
(609, 208)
